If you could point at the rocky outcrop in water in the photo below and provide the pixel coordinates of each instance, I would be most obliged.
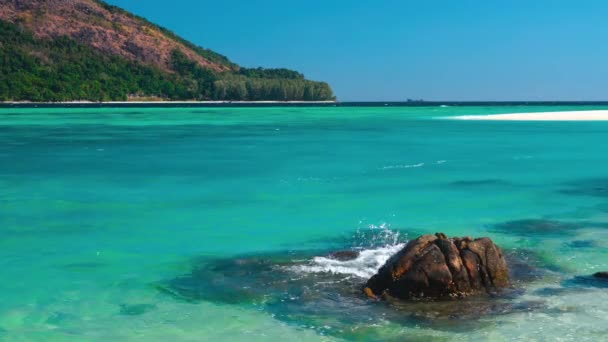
(298, 287)
(436, 267)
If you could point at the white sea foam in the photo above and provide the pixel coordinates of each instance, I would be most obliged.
(364, 266)
(383, 243)
(411, 166)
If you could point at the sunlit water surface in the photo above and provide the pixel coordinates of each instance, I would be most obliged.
(190, 224)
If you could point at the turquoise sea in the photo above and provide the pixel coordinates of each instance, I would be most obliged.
(213, 224)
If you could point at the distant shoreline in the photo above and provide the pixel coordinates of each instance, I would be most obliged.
(170, 104)
(94, 104)
(161, 102)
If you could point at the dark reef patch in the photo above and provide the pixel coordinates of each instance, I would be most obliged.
(136, 309)
(559, 291)
(468, 309)
(206, 111)
(246, 279)
(50, 229)
(603, 207)
(59, 318)
(84, 266)
(535, 227)
(596, 187)
(478, 183)
(526, 266)
(540, 228)
(576, 285)
(587, 281)
(601, 275)
(544, 227)
(582, 244)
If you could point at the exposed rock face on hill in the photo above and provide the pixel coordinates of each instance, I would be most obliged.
(435, 267)
(106, 28)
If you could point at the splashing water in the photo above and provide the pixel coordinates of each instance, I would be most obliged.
(376, 245)
(364, 266)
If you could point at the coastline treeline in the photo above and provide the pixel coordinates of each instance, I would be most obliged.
(62, 69)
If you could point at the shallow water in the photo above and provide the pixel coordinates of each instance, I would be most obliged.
(106, 215)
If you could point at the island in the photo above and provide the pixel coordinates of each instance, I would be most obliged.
(88, 50)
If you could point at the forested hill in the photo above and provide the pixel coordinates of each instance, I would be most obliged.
(71, 50)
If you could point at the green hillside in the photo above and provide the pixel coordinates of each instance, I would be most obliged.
(63, 69)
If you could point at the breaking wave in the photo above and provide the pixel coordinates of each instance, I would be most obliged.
(382, 245)
(364, 266)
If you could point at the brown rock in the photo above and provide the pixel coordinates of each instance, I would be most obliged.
(434, 267)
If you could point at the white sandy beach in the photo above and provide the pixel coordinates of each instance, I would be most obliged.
(589, 115)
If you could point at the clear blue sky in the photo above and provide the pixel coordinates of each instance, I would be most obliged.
(394, 50)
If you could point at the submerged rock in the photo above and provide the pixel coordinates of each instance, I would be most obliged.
(526, 266)
(596, 187)
(136, 309)
(435, 267)
(479, 183)
(560, 291)
(601, 275)
(467, 309)
(535, 227)
(582, 244)
(344, 255)
(598, 280)
(577, 285)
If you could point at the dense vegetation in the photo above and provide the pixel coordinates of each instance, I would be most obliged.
(62, 69)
